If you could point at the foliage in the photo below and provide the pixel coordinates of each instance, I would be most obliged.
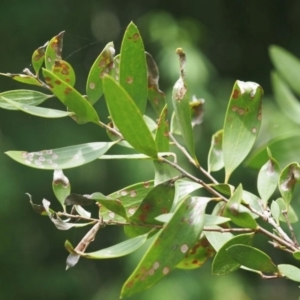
(185, 230)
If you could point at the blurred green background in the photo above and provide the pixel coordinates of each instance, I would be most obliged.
(224, 40)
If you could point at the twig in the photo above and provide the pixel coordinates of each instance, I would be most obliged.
(223, 230)
(290, 228)
(111, 129)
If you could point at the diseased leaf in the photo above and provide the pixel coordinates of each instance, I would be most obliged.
(156, 97)
(64, 71)
(54, 50)
(61, 158)
(268, 178)
(75, 199)
(181, 99)
(252, 258)
(223, 263)
(61, 186)
(115, 71)
(28, 79)
(242, 124)
(133, 70)
(38, 58)
(289, 176)
(290, 272)
(127, 117)
(102, 65)
(197, 110)
(215, 155)
(168, 248)
(76, 103)
(26, 97)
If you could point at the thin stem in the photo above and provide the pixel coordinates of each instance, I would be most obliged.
(223, 230)
(290, 228)
(111, 129)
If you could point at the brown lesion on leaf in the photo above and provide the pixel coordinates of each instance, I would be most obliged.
(235, 94)
(129, 79)
(56, 44)
(67, 90)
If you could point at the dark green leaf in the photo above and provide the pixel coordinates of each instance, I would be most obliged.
(102, 65)
(133, 70)
(223, 263)
(242, 124)
(127, 117)
(169, 247)
(61, 158)
(252, 258)
(75, 199)
(76, 103)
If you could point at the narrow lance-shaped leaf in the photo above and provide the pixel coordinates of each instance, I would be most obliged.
(289, 176)
(102, 65)
(64, 71)
(242, 124)
(28, 97)
(127, 117)
(133, 70)
(38, 58)
(156, 97)
(61, 158)
(37, 111)
(115, 70)
(54, 50)
(169, 247)
(287, 65)
(75, 102)
(24, 78)
(181, 99)
(286, 100)
(252, 258)
(61, 186)
(223, 263)
(268, 178)
(215, 155)
(158, 201)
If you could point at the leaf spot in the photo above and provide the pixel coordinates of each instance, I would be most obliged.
(156, 265)
(234, 108)
(111, 214)
(241, 111)
(131, 210)
(54, 156)
(235, 94)
(92, 85)
(27, 161)
(254, 130)
(49, 59)
(184, 248)
(151, 272)
(165, 270)
(129, 80)
(49, 151)
(146, 184)
(124, 193)
(136, 36)
(132, 193)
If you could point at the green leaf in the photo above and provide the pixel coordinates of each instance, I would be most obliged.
(296, 255)
(215, 155)
(64, 71)
(115, 70)
(133, 70)
(169, 247)
(237, 213)
(38, 58)
(197, 255)
(252, 258)
(76, 103)
(130, 197)
(54, 50)
(291, 215)
(37, 111)
(102, 65)
(211, 220)
(275, 210)
(61, 186)
(28, 97)
(289, 176)
(158, 201)
(287, 65)
(268, 178)
(223, 263)
(28, 79)
(184, 188)
(127, 117)
(290, 272)
(217, 239)
(156, 97)
(285, 99)
(61, 158)
(242, 124)
(284, 149)
(181, 99)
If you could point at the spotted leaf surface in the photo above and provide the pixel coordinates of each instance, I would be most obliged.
(158, 201)
(223, 263)
(268, 178)
(23, 78)
(64, 71)
(54, 50)
(215, 155)
(177, 237)
(128, 118)
(38, 58)
(130, 197)
(26, 97)
(252, 258)
(242, 123)
(102, 65)
(181, 99)
(115, 70)
(156, 97)
(71, 98)
(288, 179)
(61, 158)
(133, 70)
